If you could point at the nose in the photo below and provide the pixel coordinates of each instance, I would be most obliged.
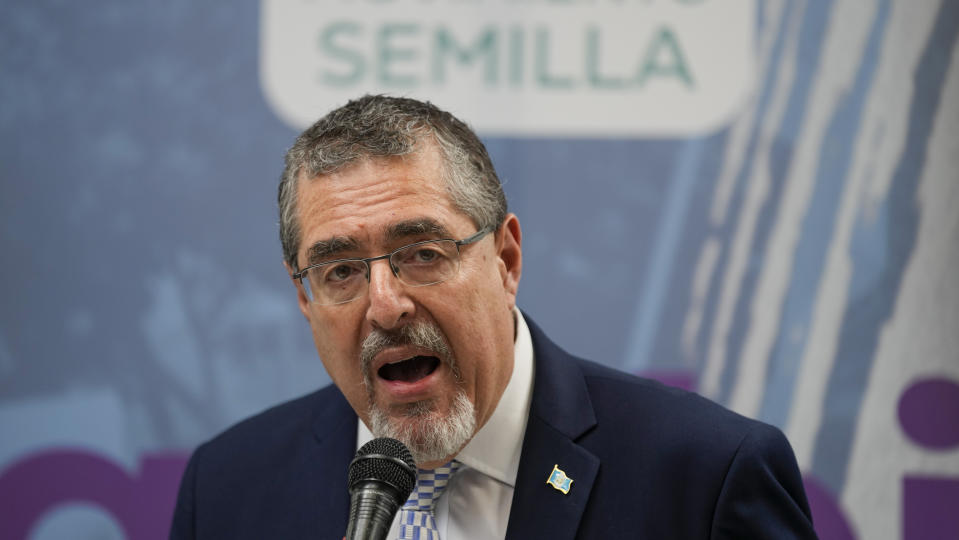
(389, 304)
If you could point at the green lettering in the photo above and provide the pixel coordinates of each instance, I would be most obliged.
(593, 59)
(329, 44)
(664, 43)
(389, 54)
(484, 45)
(542, 63)
(516, 56)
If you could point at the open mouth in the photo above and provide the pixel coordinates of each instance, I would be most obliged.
(409, 370)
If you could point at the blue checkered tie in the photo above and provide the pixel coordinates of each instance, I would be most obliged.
(416, 517)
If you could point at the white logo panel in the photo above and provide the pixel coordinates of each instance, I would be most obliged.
(517, 67)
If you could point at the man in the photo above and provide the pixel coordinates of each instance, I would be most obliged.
(406, 265)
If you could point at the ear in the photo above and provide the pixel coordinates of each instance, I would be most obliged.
(509, 241)
(301, 298)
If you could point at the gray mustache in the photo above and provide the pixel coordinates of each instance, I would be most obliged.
(420, 334)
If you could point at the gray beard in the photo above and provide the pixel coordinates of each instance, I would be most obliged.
(425, 431)
(428, 434)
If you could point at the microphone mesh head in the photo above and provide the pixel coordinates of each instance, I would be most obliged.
(385, 460)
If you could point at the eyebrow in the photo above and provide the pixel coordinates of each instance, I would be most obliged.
(323, 250)
(416, 227)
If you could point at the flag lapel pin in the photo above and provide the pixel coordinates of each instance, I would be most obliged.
(559, 480)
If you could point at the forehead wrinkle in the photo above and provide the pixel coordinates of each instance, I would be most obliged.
(323, 249)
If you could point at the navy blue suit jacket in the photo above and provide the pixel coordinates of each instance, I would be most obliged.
(647, 461)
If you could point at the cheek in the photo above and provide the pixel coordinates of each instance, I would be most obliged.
(334, 346)
(478, 311)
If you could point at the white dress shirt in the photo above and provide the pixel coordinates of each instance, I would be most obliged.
(477, 501)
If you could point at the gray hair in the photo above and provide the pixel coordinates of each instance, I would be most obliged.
(382, 126)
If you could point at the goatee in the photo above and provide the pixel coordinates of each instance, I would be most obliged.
(421, 426)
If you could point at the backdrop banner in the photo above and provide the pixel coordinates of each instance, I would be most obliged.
(756, 200)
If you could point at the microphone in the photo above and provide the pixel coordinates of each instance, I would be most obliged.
(381, 478)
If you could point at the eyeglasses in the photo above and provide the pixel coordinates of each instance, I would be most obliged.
(419, 264)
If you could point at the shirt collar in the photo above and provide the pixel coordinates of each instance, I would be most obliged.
(486, 452)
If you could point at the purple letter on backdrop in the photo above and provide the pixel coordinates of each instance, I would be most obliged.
(828, 519)
(927, 412)
(929, 508)
(142, 505)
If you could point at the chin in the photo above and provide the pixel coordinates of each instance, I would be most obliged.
(429, 434)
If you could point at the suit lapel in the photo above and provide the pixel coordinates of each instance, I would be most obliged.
(560, 412)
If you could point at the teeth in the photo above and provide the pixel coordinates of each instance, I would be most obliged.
(400, 361)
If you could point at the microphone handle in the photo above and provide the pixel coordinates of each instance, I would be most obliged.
(373, 505)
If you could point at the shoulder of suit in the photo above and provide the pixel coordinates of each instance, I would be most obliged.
(625, 399)
(263, 431)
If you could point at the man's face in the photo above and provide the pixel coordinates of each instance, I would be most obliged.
(376, 206)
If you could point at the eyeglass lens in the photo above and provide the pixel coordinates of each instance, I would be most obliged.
(416, 265)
